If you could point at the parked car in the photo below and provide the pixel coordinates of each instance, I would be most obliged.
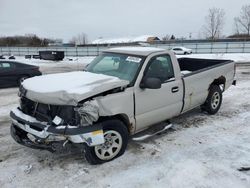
(122, 92)
(181, 50)
(12, 57)
(12, 73)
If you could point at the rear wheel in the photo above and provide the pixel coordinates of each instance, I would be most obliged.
(116, 139)
(213, 101)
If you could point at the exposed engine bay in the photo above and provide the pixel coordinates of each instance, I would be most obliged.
(82, 115)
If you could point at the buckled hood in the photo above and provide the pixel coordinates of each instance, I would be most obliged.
(69, 88)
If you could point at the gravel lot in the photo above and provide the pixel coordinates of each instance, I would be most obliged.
(200, 151)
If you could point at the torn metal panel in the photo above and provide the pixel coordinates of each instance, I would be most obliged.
(117, 104)
(88, 112)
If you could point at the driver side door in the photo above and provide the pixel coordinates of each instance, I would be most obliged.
(156, 105)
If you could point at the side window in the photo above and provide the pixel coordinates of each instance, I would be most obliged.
(160, 67)
(5, 65)
(177, 49)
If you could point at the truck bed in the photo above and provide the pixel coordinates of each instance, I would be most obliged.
(199, 74)
(193, 65)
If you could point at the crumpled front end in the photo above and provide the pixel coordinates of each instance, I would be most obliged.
(68, 88)
(40, 126)
(65, 110)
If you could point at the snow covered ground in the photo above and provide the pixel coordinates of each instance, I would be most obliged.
(200, 151)
(68, 64)
(8, 100)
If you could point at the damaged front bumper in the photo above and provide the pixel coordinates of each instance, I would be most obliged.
(28, 131)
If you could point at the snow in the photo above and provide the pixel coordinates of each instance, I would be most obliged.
(70, 82)
(18, 113)
(185, 72)
(66, 60)
(69, 88)
(200, 151)
(142, 38)
(138, 49)
(66, 65)
(9, 100)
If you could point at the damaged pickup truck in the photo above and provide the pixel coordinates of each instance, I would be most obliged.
(122, 92)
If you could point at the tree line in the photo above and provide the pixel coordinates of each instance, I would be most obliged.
(26, 40)
(32, 40)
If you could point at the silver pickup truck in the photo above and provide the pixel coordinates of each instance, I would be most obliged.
(122, 92)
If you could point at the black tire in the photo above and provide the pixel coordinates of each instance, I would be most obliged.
(117, 126)
(185, 53)
(213, 101)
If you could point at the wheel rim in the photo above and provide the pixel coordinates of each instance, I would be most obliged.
(111, 146)
(215, 100)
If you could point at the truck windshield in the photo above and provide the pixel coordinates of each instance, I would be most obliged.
(119, 65)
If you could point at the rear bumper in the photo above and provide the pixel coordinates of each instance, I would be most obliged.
(44, 135)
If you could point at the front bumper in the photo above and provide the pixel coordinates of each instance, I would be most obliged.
(25, 127)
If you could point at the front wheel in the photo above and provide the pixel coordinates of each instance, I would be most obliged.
(213, 101)
(115, 143)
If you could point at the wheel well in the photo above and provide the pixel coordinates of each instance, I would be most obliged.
(219, 81)
(122, 117)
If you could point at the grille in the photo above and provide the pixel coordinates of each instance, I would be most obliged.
(46, 113)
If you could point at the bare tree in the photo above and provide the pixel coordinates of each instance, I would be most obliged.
(236, 26)
(166, 38)
(80, 39)
(26, 40)
(242, 23)
(214, 23)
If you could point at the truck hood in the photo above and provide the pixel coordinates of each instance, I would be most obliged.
(68, 88)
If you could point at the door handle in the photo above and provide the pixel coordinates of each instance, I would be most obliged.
(175, 89)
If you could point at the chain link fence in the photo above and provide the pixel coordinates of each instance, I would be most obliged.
(199, 48)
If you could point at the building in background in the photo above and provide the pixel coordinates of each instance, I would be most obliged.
(143, 38)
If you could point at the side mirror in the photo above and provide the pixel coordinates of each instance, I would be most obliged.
(151, 83)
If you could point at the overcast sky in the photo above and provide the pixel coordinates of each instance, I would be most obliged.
(111, 18)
